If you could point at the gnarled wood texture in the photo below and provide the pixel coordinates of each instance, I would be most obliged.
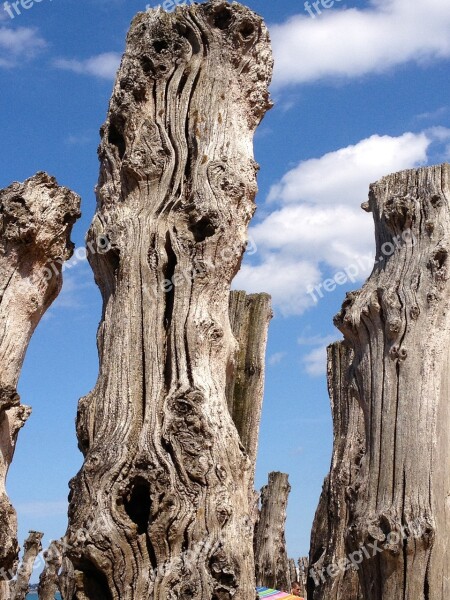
(48, 580)
(32, 547)
(271, 560)
(398, 326)
(328, 576)
(36, 219)
(293, 574)
(164, 466)
(249, 318)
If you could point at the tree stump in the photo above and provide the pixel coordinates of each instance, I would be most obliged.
(164, 467)
(36, 219)
(272, 563)
(398, 326)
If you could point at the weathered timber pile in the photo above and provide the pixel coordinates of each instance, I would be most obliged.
(36, 219)
(165, 470)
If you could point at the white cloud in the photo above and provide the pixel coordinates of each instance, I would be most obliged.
(80, 139)
(16, 45)
(354, 42)
(42, 509)
(285, 279)
(344, 174)
(317, 226)
(103, 65)
(276, 358)
(315, 362)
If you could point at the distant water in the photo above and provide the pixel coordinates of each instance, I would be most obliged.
(35, 597)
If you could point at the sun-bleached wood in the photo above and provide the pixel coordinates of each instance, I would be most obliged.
(271, 560)
(48, 580)
(32, 547)
(164, 467)
(302, 568)
(36, 219)
(398, 326)
(293, 574)
(250, 315)
(327, 577)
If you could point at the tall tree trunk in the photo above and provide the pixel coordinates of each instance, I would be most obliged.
(164, 466)
(398, 325)
(271, 560)
(36, 219)
(329, 577)
(32, 548)
(249, 318)
(48, 581)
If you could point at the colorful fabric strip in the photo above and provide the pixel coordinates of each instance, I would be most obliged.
(274, 594)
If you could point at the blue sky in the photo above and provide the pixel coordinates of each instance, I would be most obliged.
(361, 90)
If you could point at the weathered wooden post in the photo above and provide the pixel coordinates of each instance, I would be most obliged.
(36, 219)
(164, 467)
(271, 560)
(329, 576)
(249, 318)
(293, 571)
(49, 580)
(303, 564)
(398, 328)
(32, 548)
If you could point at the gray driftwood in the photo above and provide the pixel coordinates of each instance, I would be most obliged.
(66, 580)
(36, 219)
(328, 546)
(49, 578)
(32, 548)
(165, 475)
(271, 560)
(303, 564)
(398, 327)
(293, 574)
(249, 317)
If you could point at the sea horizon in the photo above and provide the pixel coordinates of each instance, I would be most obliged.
(34, 596)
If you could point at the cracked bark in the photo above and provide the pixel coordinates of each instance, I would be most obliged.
(32, 547)
(328, 546)
(66, 579)
(249, 317)
(164, 472)
(48, 581)
(271, 560)
(293, 575)
(36, 219)
(398, 326)
(303, 563)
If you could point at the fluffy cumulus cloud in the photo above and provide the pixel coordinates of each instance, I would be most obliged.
(18, 45)
(353, 42)
(103, 66)
(315, 361)
(316, 226)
